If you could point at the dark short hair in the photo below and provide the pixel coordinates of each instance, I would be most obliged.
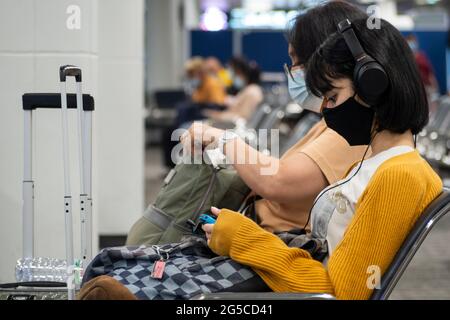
(249, 69)
(310, 29)
(404, 105)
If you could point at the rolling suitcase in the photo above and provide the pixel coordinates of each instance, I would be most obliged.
(84, 103)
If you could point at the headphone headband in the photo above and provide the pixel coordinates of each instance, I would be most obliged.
(345, 28)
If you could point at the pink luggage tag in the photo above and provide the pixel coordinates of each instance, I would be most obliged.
(158, 269)
(160, 265)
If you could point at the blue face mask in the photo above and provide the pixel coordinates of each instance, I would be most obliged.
(230, 73)
(299, 92)
(238, 82)
(194, 83)
(190, 85)
(413, 45)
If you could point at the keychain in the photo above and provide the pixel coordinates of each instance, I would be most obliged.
(160, 265)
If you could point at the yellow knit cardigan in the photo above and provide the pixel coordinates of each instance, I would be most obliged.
(395, 197)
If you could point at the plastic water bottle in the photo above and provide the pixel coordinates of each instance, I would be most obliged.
(41, 269)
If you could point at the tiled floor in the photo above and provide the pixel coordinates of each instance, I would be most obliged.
(427, 277)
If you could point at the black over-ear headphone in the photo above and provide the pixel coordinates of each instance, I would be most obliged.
(369, 77)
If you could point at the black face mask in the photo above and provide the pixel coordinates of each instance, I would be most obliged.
(351, 120)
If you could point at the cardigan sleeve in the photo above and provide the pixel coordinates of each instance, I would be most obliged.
(284, 269)
(383, 218)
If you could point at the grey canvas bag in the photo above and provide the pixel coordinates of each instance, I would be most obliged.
(189, 190)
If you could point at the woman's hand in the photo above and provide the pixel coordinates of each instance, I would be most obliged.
(213, 114)
(201, 133)
(208, 228)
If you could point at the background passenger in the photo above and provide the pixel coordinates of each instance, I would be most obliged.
(215, 68)
(246, 78)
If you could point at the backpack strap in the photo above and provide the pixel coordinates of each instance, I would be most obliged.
(157, 217)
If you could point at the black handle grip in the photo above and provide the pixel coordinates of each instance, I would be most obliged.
(69, 71)
(40, 284)
(31, 101)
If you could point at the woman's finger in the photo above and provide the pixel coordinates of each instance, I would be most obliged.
(215, 211)
(208, 228)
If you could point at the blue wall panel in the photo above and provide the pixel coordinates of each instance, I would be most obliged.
(268, 49)
(434, 44)
(212, 43)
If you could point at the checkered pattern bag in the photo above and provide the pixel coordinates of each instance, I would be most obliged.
(192, 269)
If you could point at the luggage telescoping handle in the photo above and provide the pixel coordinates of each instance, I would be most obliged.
(67, 194)
(84, 144)
(85, 161)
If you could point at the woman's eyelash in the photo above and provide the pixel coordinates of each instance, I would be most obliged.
(332, 98)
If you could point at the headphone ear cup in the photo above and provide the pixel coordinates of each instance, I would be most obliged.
(371, 81)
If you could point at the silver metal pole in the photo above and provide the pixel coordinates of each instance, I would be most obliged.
(28, 189)
(87, 159)
(83, 181)
(80, 135)
(67, 196)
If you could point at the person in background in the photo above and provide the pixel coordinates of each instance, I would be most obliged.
(206, 91)
(215, 68)
(206, 88)
(426, 71)
(246, 77)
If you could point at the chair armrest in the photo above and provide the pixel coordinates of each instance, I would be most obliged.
(263, 296)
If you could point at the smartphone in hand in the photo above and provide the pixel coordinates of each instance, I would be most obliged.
(207, 219)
